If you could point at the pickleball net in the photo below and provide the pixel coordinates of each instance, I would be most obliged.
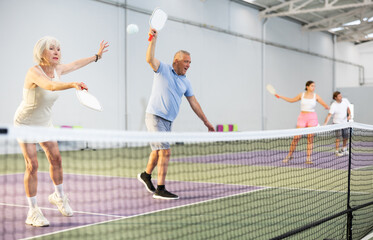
(231, 185)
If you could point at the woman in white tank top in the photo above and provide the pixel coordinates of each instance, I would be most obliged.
(39, 94)
(306, 118)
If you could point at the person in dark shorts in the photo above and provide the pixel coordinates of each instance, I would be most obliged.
(341, 113)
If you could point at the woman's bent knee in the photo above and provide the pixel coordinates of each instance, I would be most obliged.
(32, 166)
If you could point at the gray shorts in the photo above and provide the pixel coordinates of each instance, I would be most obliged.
(157, 124)
(343, 132)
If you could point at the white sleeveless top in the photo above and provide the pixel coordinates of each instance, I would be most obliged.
(308, 104)
(36, 106)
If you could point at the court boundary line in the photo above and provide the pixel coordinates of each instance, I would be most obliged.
(172, 208)
(147, 213)
(317, 190)
(118, 217)
(228, 184)
(368, 237)
(212, 183)
(187, 159)
(106, 176)
(359, 168)
(55, 209)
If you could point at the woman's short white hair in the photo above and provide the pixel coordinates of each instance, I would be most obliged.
(41, 45)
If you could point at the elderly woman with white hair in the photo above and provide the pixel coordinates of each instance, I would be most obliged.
(39, 94)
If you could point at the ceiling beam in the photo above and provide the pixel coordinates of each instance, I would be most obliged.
(354, 38)
(338, 20)
(353, 33)
(356, 33)
(294, 7)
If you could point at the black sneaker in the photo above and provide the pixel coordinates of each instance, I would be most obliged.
(164, 194)
(146, 180)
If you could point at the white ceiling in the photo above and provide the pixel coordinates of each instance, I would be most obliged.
(349, 20)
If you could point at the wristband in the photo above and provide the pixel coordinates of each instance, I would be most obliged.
(96, 57)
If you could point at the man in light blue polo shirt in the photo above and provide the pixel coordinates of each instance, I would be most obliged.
(169, 86)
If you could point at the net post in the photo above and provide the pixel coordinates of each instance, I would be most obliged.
(349, 213)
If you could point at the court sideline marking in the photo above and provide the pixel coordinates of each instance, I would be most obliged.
(144, 214)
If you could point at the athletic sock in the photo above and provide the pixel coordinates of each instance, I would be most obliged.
(59, 190)
(32, 202)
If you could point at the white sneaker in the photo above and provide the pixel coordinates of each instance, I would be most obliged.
(339, 153)
(36, 218)
(61, 203)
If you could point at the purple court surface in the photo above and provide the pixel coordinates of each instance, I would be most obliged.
(95, 199)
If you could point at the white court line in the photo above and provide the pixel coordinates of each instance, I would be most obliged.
(368, 237)
(127, 217)
(54, 209)
(161, 210)
(144, 214)
(266, 187)
(176, 207)
(211, 183)
(359, 168)
(8, 174)
(318, 190)
(106, 176)
(230, 184)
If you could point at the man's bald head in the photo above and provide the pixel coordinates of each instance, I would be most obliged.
(179, 55)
